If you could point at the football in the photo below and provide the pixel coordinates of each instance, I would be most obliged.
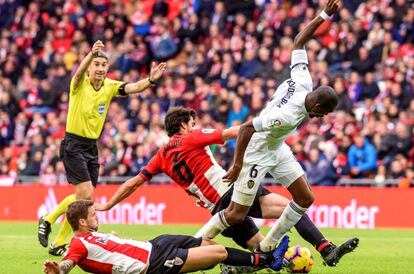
(299, 259)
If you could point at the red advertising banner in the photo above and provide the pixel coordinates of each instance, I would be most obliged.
(343, 207)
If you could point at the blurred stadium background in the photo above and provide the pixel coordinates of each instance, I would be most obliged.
(225, 59)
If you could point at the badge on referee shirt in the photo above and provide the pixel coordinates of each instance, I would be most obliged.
(101, 108)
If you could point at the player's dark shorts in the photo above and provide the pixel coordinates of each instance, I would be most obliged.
(169, 253)
(80, 157)
(244, 231)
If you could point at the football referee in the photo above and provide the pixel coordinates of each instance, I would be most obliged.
(91, 93)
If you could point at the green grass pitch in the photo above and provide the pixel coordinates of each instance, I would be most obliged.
(380, 251)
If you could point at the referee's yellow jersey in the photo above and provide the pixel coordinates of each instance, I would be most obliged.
(88, 107)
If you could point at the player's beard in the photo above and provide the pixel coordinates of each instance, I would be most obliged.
(93, 229)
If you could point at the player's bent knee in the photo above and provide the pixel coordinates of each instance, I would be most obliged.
(234, 217)
(235, 213)
(221, 253)
(306, 201)
(309, 199)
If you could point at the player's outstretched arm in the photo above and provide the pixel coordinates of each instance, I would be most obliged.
(52, 267)
(245, 134)
(155, 74)
(80, 72)
(231, 133)
(123, 191)
(303, 37)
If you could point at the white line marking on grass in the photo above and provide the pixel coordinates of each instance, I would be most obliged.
(17, 237)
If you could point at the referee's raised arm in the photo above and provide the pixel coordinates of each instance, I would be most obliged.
(83, 67)
(155, 74)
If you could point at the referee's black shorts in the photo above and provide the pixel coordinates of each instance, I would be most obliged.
(169, 253)
(244, 231)
(80, 158)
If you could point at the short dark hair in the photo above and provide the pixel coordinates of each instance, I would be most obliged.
(327, 96)
(100, 54)
(76, 211)
(175, 117)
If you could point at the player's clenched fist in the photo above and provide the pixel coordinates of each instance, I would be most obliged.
(331, 7)
(97, 46)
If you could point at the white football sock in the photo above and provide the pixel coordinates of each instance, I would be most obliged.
(290, 216)
(213, 227)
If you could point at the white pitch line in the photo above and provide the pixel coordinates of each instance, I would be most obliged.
(17, 237)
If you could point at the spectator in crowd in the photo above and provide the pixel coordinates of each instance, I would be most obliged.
(237, 113)
(362, 158)
(33, 166)
(319, 169)
(344, 101)
(369, 88)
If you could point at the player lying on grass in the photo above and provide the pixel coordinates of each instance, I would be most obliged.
(187, 160)
(107, 253)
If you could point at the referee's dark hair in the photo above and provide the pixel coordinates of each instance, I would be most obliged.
(175, 117)
(76, 211)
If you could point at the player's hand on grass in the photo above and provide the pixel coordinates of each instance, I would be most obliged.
(331, 7)
(97, 46)
(51, 267)
(232, 175)
(157, 71)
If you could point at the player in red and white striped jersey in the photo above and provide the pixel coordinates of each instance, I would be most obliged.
(187, 159)
(103, 253)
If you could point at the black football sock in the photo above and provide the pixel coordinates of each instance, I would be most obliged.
(325, 248)
(238, 257)
(308, 231)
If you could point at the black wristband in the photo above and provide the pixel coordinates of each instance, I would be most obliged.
(151, 82)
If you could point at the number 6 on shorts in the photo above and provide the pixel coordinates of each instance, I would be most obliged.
(253, 171)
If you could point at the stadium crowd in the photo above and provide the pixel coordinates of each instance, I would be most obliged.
(225, 59)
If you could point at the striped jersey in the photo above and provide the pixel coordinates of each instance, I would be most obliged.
(101, 253)
(188, 160)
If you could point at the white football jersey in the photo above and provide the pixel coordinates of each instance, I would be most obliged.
(282, 114)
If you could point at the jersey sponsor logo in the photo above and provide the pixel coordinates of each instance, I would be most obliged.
(102, 240)
(208, 130)
(101, 108)
(291, 89)
(250, 184)
(275, 123)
